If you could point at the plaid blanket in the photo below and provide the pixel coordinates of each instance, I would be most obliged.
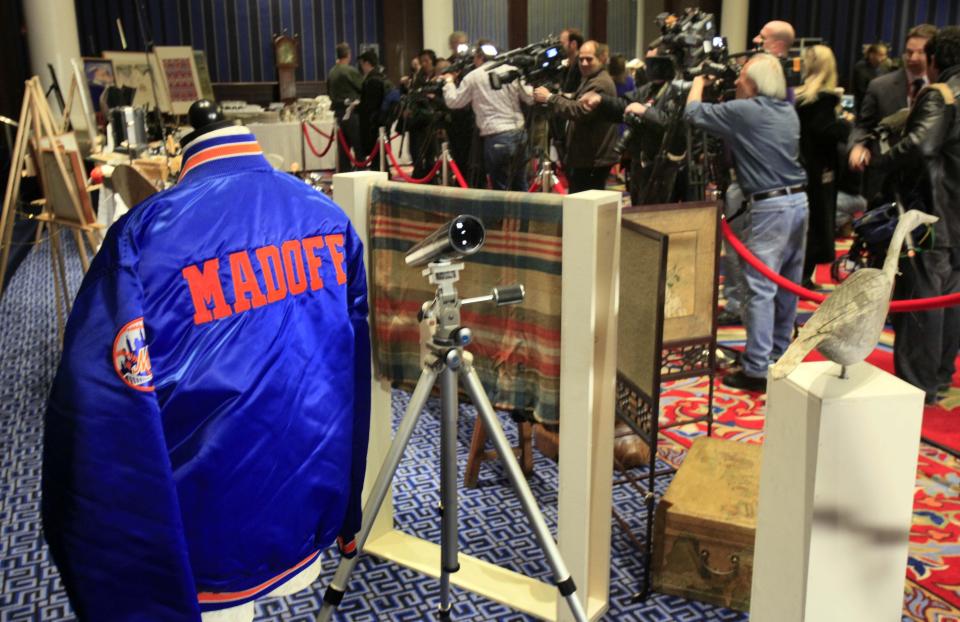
(516, 348)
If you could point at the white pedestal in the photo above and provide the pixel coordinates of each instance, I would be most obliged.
(836, 496)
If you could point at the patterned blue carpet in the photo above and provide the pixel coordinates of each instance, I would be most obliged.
(492, 523)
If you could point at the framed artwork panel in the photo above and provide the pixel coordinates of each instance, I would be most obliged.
(132, 69)
(690, 296)
(640, 320)
(180, 78)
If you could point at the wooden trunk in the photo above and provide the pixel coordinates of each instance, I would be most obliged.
(705, 524)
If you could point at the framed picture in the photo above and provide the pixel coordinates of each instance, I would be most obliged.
(693, 250)
(98, 73)
(132, 69)
(640, 323)
(179, 75)
(203, 71)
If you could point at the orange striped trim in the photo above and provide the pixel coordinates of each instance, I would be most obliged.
(223, 597)
(221, 151)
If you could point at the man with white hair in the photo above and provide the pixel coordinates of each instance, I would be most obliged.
(763, 133)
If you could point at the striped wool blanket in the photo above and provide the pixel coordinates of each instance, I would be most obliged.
(516, 348)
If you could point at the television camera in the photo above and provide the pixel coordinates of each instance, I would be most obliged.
(538, 63)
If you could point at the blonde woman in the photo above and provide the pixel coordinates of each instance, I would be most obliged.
(821, 132)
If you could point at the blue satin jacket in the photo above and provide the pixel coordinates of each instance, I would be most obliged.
(207, 430)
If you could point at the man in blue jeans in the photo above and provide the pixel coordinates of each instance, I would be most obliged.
(499, 119)
(763, 133)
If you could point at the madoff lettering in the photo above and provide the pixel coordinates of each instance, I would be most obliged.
(283, 271)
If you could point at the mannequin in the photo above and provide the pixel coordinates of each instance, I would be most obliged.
(205, 116)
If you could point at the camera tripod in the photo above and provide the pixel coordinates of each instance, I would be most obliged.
(442, 341)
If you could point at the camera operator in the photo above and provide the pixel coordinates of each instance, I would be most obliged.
(499, 120)
(590, 137)
(572, 40)
(762, 130)
(373, 90)
(926, 341)
(644, 111)
(462, 126)
(420, 117)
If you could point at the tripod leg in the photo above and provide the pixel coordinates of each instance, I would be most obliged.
(337, 587)
(449, 562)
(544, 539)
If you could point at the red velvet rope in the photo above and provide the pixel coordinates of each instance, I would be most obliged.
(535, 186)
(457, 175)
(306, 135)
(396, 165)
(897, 306)
(354, 161)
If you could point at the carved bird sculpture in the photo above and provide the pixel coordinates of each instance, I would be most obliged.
(847, 326)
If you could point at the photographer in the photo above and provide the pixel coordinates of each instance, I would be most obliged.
(499, 119)
(590, 137)
(762, 130)
(648, 114)
(372, 92)
(926, 341)
(421, 116)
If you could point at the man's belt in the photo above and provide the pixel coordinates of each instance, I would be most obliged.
(779, 192)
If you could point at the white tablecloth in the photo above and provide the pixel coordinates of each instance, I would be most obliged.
(286, 140)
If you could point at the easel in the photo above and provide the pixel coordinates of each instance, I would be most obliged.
(37, 127)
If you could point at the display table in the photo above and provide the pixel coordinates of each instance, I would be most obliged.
(286, 140)
(836, 496)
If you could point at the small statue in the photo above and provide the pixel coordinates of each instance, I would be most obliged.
(847, 326)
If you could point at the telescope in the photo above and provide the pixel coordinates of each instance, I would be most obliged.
(454, 239)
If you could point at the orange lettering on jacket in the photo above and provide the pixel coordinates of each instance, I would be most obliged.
(205, 289)
(310, 246)
(277, 273)
(244, 283)
(333, 241)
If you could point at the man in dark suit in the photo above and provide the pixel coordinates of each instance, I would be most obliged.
(885, 96)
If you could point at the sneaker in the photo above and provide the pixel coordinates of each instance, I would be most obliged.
(728, 318)
(740, 380)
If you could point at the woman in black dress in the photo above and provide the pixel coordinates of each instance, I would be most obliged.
(821, 129)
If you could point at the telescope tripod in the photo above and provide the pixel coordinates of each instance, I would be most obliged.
(442, 352)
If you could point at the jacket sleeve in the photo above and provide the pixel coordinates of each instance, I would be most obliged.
(458, 96)
(719, 119)
(867, 119)
(110, 510)
(611, 108)
(570, 109)
(926, 130)
(357, 299)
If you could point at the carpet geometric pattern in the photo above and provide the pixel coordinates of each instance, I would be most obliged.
(492, 525)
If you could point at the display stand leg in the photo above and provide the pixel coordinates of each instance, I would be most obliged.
(82, 249)
(55, 271)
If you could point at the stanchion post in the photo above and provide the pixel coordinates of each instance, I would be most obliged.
(445, 163)
(383, 149)
(336, 134)
(546, 177)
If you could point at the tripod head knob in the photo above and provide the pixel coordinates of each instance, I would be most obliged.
(454, 360)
